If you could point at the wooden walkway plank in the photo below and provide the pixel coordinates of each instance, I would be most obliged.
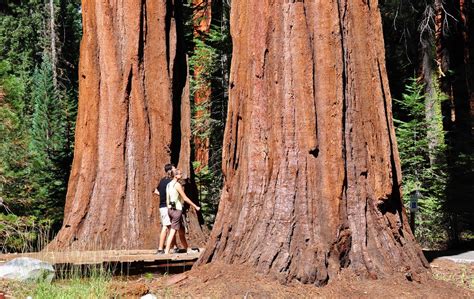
(98, 257)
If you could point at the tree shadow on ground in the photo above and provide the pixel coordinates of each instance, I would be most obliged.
(463, 247)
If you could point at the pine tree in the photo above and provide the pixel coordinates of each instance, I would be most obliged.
(37, 146)
(13, 137)
(419, 171)
(47, 145)
(211, 56)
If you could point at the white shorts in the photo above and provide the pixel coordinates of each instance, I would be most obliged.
(165, 218)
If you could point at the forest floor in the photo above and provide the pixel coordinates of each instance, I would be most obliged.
(447, 280)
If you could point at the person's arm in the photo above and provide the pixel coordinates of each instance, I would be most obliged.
(156, 191)
(186, 199)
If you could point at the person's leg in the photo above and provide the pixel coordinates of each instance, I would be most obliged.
(164, 232)
(170, 239)
(173, 243)
(182, 237)
(174, 220)
(166, 224)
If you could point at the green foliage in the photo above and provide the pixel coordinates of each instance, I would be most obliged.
(75, 287)
(96, 287)
(209, 185)
(13, 136)
(418, 173)
(48, 150)
(21, 28)
(204, 63)
(23, 234)
(36, 132)
(209, 60)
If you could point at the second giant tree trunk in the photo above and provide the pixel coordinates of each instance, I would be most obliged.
(131, 121)
(312, 175)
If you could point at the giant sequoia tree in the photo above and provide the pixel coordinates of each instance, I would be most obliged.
(133, 118)
(312, 176)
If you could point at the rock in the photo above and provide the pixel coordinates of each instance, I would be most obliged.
(27, 269)
(148, 296)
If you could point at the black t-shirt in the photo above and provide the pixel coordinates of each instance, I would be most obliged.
(162, 189)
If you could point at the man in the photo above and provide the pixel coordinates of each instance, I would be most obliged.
(165, 219)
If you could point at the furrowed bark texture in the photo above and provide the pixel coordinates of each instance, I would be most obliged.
(133, 118)
(312, 175)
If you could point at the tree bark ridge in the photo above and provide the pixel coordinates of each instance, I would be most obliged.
(127, 124)
(312, 176)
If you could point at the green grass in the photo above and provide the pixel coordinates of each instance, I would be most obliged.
(465, 278)
(74, 286)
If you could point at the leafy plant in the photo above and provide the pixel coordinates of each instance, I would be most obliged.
(419, 173)
(209, 60)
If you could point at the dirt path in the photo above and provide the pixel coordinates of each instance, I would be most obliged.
(447, 280)
(464, 257)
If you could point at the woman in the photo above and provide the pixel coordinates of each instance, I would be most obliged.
(175, 198)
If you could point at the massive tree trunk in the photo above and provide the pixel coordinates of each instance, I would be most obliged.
(312, 175)
(130, 123)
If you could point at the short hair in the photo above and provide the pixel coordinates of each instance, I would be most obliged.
(168, 167)
(174, 172)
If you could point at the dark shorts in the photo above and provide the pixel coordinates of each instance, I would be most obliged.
(176, 219)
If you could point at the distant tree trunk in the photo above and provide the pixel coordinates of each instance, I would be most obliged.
(52, 36)
(466, 13)
(460, 124)
(312, 175)
(197, 233)
(131, 121)
(202, 95)
(442, 53)
(435, 62)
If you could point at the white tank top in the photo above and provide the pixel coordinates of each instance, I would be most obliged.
(173, 195)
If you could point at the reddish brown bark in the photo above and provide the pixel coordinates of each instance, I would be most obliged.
(202, 95)
(197, 233)
(131, 121)
(312, 175)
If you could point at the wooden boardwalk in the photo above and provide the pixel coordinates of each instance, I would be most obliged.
(106, 256)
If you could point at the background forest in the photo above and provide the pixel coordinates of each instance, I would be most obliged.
(429, 62)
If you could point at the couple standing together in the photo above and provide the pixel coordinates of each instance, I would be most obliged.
(172, 199)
